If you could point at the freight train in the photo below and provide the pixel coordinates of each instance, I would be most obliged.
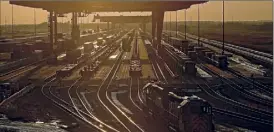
(179, 113)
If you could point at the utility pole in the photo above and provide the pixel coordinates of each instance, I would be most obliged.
(176, 25)
(199, 25)
(166, 21)
(170, 27)
(185, 24)
(34, 20)
(5, 24)
(223, 52)
(0, 18)
(11, 21)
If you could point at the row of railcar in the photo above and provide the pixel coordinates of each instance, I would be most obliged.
(179, 113)
(92, 66)
(195, 52)
(210, 57)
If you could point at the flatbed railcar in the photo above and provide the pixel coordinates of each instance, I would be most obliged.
(179, 113)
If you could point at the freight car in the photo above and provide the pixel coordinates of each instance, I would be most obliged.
(100, 41)
(178, 61)
(208, 56)
(88, 47)
(179, 43)
(126, 43)
(66, 71)
(182, 114)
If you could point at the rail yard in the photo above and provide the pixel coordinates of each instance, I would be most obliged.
(123, 79)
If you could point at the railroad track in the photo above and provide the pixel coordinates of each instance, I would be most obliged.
(254, 115)
(258, 85)
(72, 109)
(77, 102)
(238, 88)
(235, 111)
(261, 56)
(103, 96)
(242, 91)
(19, 71)
(83, 114)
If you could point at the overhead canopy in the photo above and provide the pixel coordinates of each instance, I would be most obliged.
(99, 6)
(124, 19)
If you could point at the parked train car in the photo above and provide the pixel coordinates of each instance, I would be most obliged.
(178, 61)
(100, 41)
(126, 43)
(182, 114)
(88, 47)
(74, 55)
(207, 55)
(179, 43)
(66, 71)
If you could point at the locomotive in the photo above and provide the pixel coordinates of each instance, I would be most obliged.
(182, 114)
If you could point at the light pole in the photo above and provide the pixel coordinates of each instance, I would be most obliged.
(170, 27)
(176, 25)
(198, 25)
(11, 21)
(0, 18)
(185, 24)
(34, 20)
(223, 28)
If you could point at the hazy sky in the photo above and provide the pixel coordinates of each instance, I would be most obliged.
(236, 10)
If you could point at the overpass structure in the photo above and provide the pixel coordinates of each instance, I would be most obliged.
(79, 9)
(124, 19)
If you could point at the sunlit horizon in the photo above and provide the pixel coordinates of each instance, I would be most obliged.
(210, 11)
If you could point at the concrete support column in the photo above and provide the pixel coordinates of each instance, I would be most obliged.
(160, 18)
(75, 32)
(154, 20)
